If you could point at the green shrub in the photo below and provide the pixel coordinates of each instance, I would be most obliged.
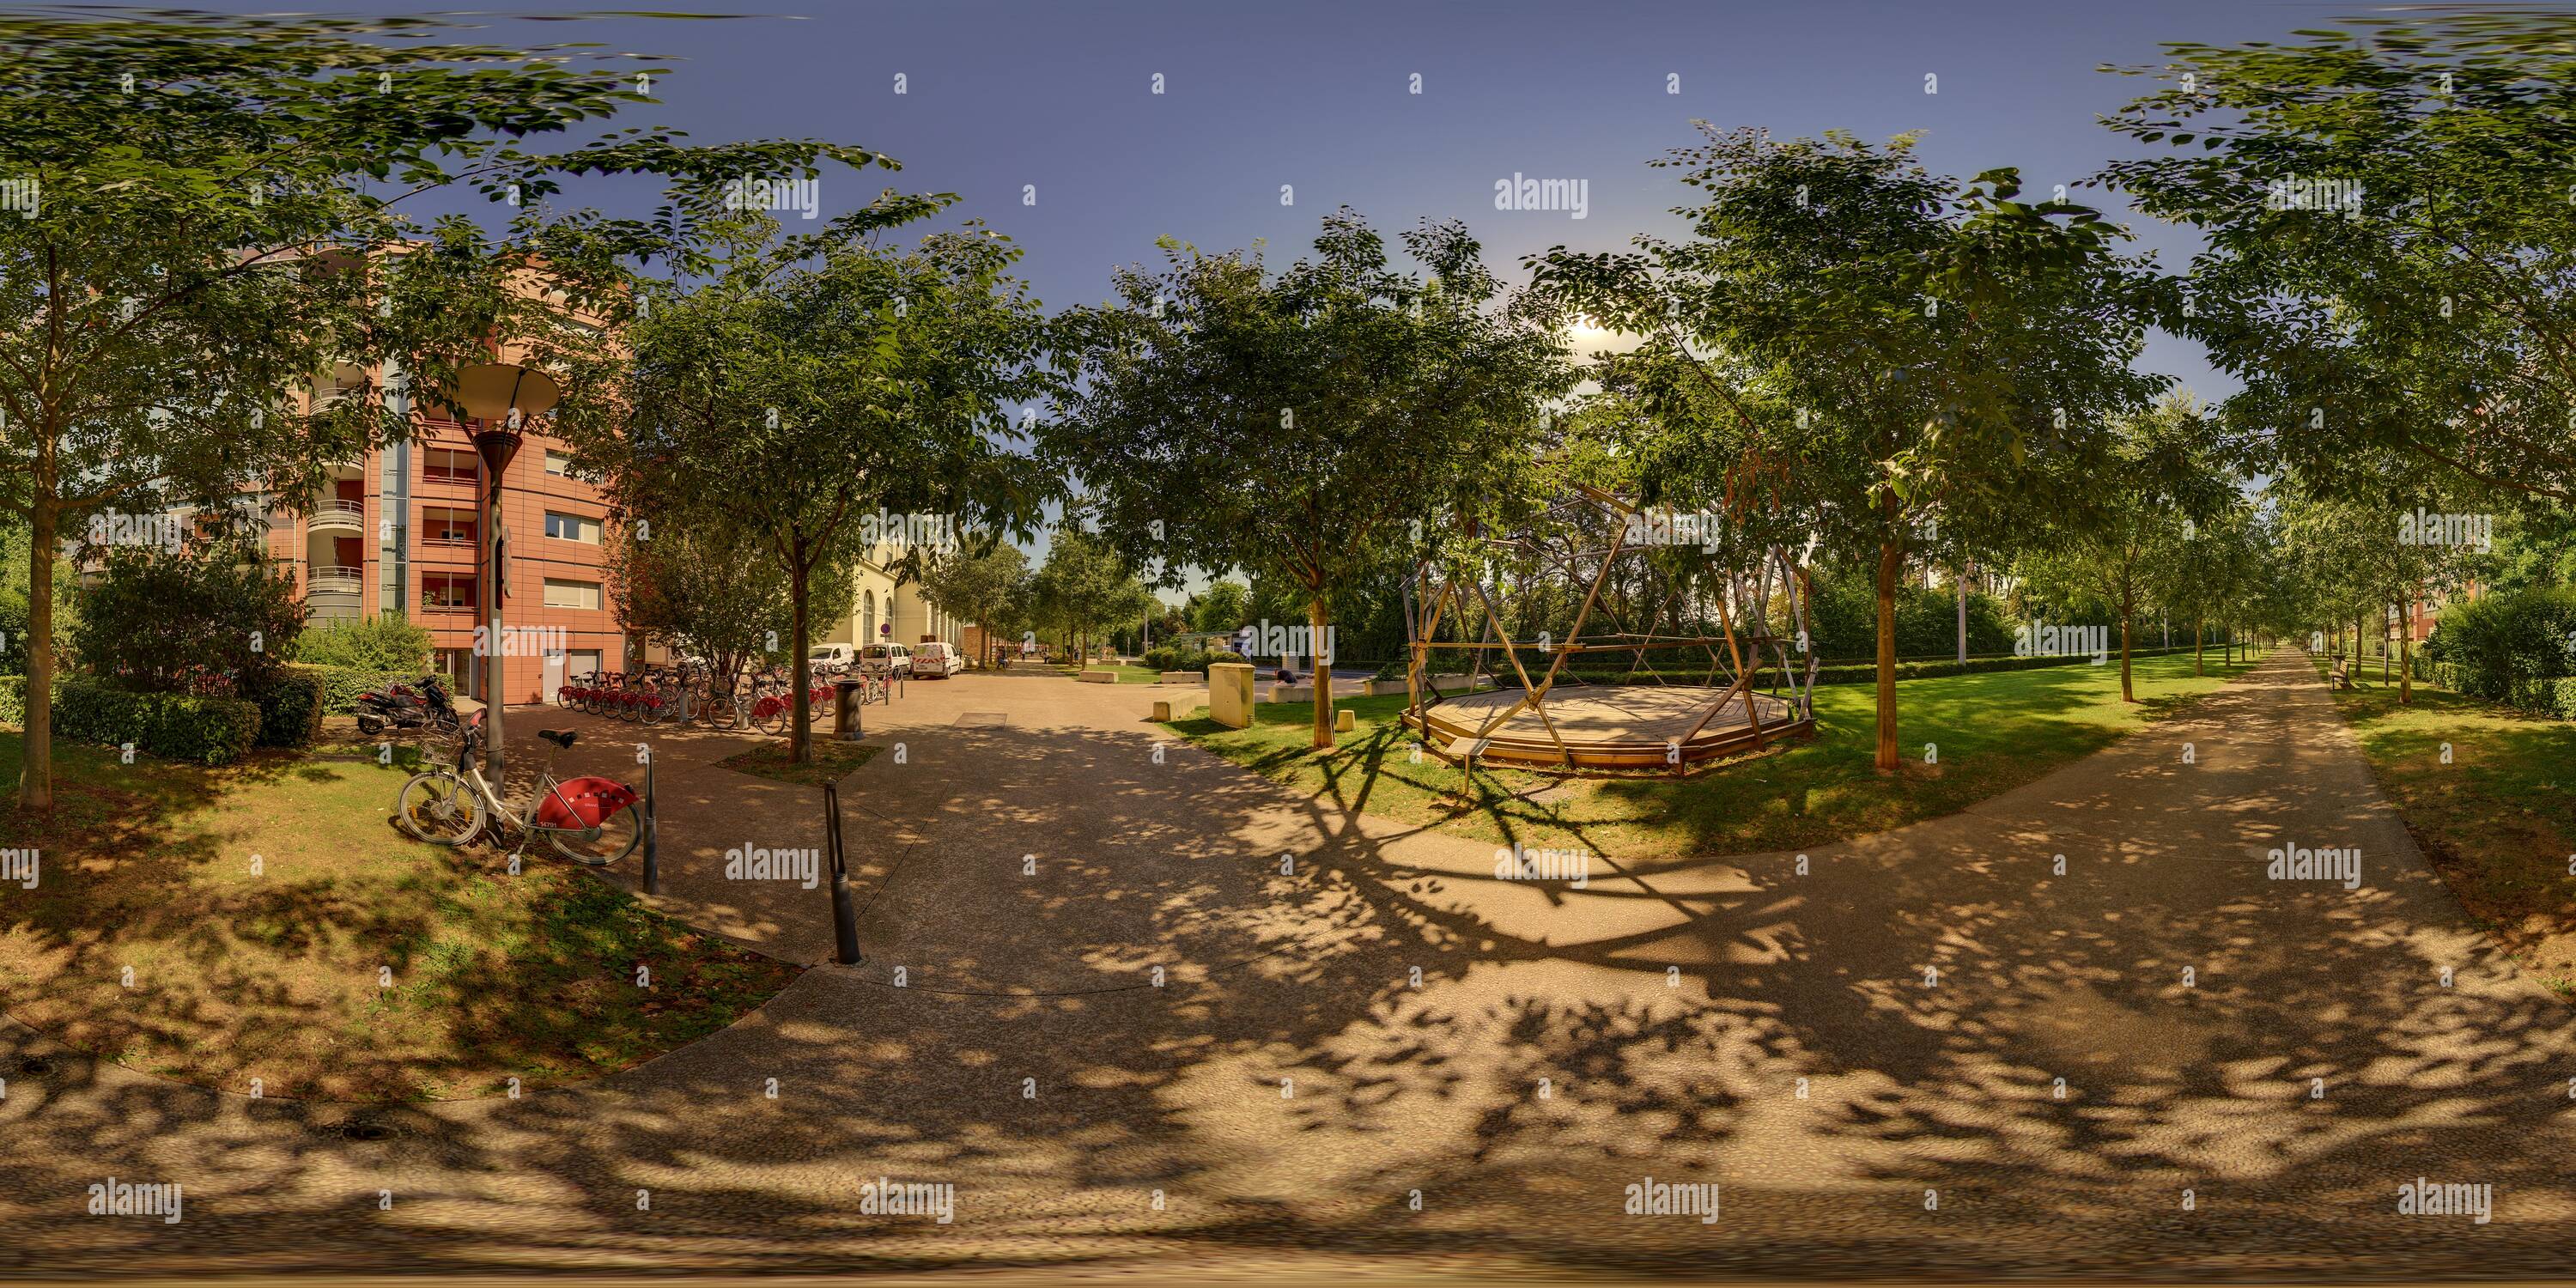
(341, 685)
(174, 726)
(166, 621)
(385, 642)
(13, 700)
(290, 706)
(2505, 644)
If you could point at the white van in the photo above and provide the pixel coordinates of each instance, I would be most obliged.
(938, 660)
(885, 659)
(834, 658)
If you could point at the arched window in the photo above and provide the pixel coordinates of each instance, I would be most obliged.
(867, 616)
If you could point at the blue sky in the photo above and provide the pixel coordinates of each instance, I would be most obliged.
(1043, 119)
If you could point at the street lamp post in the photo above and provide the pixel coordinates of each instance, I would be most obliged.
(498, 397)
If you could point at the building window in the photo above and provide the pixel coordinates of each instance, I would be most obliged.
(561, 593)
(572, 527)
(445, 465)
(446, 591)
(558, 464)
(443, 527)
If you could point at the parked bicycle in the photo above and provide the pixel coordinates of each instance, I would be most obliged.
(591, 821)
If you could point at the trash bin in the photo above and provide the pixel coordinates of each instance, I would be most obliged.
(845, 711)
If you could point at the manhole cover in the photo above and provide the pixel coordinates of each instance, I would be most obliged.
(982, 718)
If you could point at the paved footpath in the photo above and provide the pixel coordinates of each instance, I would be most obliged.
(1865, 1054)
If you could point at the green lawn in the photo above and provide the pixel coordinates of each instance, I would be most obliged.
(1127, 674)
(2498, 822)
(1993, 731)
(272, 972)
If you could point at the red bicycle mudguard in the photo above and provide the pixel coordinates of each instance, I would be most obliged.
(591, 799)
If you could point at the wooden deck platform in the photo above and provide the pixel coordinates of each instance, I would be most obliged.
(1607, 726)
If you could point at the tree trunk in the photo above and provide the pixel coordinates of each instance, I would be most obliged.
(1319, 619)
(2406, 652)
(1891, 564)
(36, 769)
(2197, 633)
(1963, 612)
(2128, 613)
(800, 734)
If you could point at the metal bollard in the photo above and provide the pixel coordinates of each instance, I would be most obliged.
(845, 915)
(652, 834)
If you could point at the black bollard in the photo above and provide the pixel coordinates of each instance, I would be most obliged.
(845, 915)
(652, 834)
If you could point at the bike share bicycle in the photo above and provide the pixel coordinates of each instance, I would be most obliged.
(591, 821)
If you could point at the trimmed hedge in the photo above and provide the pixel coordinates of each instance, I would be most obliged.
(174, 726)
(1161, 658)
(2553, 696)
(341, 685)
(290, 707)
(1867, 672)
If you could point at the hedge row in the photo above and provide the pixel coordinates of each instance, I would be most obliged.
(341, 685)
(1867, 672)
(2553, 696)
(177, 726)
(174, 726)
(290, 707)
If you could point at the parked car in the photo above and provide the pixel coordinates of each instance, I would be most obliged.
(885, 659)
(940, 660)
(835, 658)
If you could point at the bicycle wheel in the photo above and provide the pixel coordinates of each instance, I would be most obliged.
(769, 717)
(596, 847)
(439, 808)
(654, 709)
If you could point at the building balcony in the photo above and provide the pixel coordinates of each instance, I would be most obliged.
(338, 516)
(332, 579)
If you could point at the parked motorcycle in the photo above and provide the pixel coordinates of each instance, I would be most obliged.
(401, 706)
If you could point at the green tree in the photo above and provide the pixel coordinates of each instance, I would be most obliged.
(988, 587)
(1221, 607)
(220, 217)
(1085, 586)
(214, 610)
(384, 642)
(818, 380)
(713, 589)
(1850, 346)
(2390, 257)
(1305, 426)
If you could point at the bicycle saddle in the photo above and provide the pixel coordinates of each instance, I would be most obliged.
(559, 737)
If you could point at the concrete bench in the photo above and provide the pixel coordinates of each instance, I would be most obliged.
(1182, 677)
(1098, 677)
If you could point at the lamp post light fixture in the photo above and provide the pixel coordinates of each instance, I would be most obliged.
(499, 397)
